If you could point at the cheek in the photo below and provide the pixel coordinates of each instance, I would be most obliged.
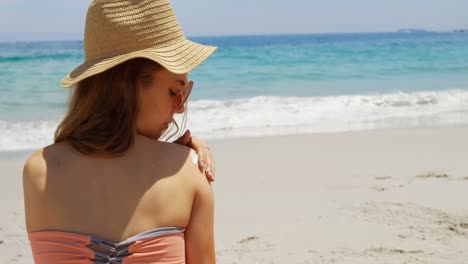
(154, 107)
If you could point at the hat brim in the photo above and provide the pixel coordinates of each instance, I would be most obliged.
(181, 57)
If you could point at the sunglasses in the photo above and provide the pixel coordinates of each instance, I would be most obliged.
(183, 94)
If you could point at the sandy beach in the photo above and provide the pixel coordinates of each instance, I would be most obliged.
(385, 196)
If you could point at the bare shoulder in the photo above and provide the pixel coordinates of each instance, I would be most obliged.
(36, 166)
(34, 186)
(194, 176)
(35, 174)
(171, 153)
(34, 171)
(188, 159)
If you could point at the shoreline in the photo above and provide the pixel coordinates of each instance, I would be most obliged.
(374, 196)
(284, 115)
(23, 153)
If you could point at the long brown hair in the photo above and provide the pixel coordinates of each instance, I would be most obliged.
(102, 112)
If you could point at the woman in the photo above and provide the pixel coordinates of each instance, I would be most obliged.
(107, 178)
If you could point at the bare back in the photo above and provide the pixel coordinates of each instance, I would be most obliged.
(151, 186)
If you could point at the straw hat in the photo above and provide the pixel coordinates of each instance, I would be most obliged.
(117, 31)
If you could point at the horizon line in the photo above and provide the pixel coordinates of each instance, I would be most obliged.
(402, 30)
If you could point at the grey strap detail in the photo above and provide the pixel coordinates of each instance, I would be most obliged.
(151, 233)
(114, 253)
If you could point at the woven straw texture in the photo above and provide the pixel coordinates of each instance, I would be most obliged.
(117, 31)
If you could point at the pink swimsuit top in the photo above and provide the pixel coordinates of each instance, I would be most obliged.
(164, 245)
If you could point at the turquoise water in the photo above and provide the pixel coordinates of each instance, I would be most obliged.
(256, 85)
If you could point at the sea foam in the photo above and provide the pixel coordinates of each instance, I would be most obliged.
(275, 115)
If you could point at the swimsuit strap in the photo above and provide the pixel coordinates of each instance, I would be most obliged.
(107, 252)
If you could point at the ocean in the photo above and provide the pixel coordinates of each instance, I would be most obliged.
(267, 85)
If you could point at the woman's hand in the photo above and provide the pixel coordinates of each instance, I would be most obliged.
(206, 162)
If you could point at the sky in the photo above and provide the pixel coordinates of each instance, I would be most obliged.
(64, 19)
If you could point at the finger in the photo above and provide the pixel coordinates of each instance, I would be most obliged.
(184, 139)
(209, 175)
(211, 162)
(197, 144)
(209, 172)
(201, 162)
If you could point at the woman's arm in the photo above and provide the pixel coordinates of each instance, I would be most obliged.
(34, 183)
(199, 233)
